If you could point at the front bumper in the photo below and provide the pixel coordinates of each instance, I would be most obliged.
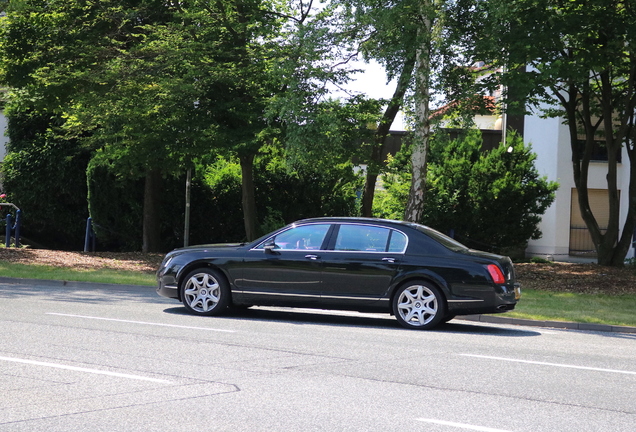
(169, 291)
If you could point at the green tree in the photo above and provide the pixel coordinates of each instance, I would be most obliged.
(44, 174)
(149, 85)
(71, 60)
(578, 59)
(416, 41)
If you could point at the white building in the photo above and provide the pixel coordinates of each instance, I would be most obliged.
(564, 232)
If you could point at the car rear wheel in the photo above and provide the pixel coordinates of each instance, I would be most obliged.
(205, 292)
(419, 305)
(448, 318)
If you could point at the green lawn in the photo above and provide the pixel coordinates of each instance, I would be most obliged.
(30, 271)
(534, 304)
(581, 308)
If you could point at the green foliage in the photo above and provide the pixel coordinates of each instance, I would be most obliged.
(332, 131)
(491, 200)
(390, 200)
(44, 175)
(116, 208)
(539, 260)
(283, 194)
(216, 214)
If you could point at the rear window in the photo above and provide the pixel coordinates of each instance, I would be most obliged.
(443, 239)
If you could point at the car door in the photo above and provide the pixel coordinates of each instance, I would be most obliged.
(361, 263)
(286, 268)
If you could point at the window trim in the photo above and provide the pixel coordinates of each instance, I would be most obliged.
(331, 237)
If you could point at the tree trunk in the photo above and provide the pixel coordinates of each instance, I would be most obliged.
(415, 205)
(610, 248)
(375, 164)
(248, 196)
(152, 214)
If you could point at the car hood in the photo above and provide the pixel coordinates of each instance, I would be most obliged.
(206, 248)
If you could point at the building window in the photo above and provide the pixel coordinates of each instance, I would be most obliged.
(599, 151)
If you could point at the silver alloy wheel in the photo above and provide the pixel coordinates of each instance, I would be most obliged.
(417, 305)
(202, 292)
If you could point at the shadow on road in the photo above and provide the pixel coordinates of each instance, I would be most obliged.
(352, 319)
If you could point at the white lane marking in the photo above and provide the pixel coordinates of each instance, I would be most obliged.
(141, 322)
(80, 369)
(461, 425)
(552, 364)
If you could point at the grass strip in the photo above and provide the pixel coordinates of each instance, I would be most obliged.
(574, 307)
(33, 271)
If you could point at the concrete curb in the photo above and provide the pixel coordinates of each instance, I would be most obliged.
(69, 284)
(493, 319)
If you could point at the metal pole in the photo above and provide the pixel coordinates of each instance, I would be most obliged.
(18, 222)
(87, 237)
(8, 230)
(186, 228)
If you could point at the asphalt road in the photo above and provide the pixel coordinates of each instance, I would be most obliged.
(97, 358)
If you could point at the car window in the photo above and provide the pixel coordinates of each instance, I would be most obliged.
(446, 241)
(397, 242)
(304, 237)
(362, 238)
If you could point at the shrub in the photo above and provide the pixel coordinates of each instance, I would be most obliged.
(45, 176)
(490, 200)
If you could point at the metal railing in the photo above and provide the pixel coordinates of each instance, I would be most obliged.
(581, 241)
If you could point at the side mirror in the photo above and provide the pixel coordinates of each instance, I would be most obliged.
(270, 248)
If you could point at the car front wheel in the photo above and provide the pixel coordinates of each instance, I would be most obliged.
(419, 305)
(205, 292)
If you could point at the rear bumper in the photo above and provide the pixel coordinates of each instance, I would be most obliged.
(503, 299)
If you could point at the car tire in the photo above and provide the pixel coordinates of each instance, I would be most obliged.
(419, 305)
(205, 292)
(448, 318)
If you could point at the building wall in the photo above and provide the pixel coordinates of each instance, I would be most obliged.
(550, 140)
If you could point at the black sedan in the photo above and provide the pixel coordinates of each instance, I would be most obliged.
(370, 265)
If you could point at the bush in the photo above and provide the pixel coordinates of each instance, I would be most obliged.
(490, 200)
(216, 214)
(45, 176)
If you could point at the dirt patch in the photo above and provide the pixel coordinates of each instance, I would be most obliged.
(577, 278)
(558, 277)
(135, 261)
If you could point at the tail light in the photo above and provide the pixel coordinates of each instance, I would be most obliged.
(496, 274)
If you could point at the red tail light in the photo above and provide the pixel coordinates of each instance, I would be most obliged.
(496, 274)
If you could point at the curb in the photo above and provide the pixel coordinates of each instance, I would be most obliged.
(69, 284)
(492, 319)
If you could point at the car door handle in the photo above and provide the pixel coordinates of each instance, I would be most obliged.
(389, 260)
(312, 257)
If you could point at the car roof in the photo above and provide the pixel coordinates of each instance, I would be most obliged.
(365, 220)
